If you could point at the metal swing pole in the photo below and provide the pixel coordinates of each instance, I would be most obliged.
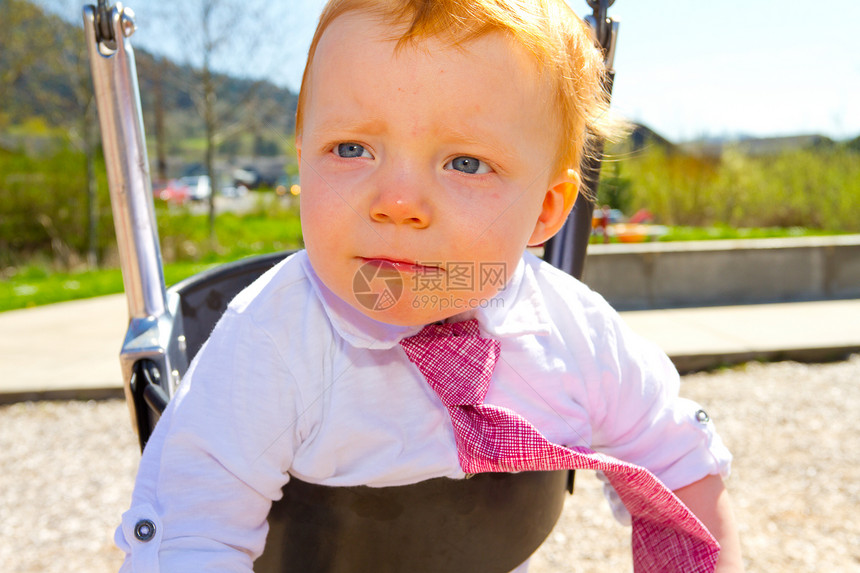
(149, 373)
(567, 249)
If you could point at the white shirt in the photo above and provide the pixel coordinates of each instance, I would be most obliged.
(295, 381)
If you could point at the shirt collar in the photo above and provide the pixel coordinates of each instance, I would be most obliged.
(519, 308)
(516, 310)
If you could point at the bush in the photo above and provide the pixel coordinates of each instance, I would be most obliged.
(812, 188)
(43, 207)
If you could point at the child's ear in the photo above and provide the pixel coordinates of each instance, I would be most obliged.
(299, 150)
(557, 203)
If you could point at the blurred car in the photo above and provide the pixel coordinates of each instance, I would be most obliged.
(175, 192)
(233, 191)
(247, 176)
(198, 186)
(194, 188)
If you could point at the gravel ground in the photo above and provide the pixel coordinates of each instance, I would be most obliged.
(67, 470)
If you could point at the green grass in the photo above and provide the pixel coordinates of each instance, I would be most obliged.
(680, 233)
(271, 226)
(34, 286)
(677, 233)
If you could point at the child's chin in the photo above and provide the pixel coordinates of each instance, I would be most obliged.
(404, 313)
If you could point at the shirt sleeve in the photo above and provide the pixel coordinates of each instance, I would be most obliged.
(643, 420)
(217, 458)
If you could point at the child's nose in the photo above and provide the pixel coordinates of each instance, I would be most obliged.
(400, 202)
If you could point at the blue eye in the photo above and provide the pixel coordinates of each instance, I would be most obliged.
(349, 150)
(469, 165)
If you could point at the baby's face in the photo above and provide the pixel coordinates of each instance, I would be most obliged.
(424, 171)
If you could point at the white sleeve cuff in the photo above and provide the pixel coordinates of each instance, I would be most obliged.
(139, 536)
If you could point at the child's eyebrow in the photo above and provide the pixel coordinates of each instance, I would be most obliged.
(334, 125)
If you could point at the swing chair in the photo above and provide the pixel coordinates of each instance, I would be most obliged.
(489, 523)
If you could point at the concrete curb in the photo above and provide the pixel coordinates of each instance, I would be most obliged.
(689, 363)
(71, 394)
(729, 272)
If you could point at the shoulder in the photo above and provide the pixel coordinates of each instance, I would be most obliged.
(589, 327)
(271, 346)
(284, 283)
(569, 301)
(279, 312)
(281, 297)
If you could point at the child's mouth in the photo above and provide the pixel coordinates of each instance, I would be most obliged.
(403, 266)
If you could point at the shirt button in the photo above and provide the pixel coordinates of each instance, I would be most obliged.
(144, 530)
(702, 416)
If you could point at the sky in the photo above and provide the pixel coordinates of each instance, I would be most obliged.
(685, 68)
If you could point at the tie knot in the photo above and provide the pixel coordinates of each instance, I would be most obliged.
(455, 360)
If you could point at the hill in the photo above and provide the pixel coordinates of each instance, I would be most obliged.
(50, 81)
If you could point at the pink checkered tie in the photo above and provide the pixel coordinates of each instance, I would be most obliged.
(458, 364)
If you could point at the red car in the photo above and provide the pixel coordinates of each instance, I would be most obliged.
(175, 192)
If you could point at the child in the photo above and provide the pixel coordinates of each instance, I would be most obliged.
(436, 140)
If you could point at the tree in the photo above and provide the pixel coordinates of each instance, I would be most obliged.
(71, 59)
(221, 36)
(44, 58)
(21, 23)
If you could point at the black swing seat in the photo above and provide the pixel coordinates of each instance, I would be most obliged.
(489, 523)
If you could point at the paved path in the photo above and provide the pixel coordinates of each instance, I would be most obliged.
(64, 350)
(699, 338)
(71, 349)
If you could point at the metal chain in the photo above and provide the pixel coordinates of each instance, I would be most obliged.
(104, 30)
